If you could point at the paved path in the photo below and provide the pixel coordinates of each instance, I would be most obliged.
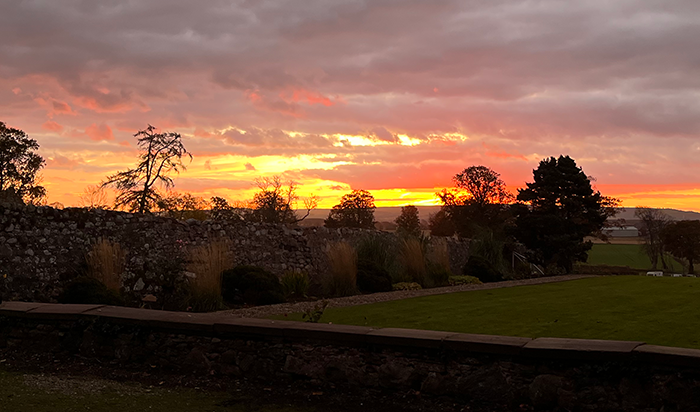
(281, 309)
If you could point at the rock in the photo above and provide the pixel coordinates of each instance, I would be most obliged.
(149, 298)
(197, 360)
(434, 384)
(139, 285)
(5, 252)
(544, 390)
(395, 374)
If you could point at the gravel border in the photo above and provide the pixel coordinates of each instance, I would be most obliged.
(284, 308)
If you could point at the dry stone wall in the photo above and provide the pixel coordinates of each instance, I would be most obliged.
(40, 247)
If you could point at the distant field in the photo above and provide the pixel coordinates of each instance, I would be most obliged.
(661, 311)
(625, 255)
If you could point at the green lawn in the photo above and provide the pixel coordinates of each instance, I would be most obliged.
(625, 255)
(47, 393)
(661, 311)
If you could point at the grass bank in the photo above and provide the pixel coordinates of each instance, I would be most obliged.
(661, 311)
(626, 255)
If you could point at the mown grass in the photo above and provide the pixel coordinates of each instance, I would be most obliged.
(626, 255)
(38, 393)
(661, 311)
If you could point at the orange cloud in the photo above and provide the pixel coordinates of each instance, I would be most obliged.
(288, 108)
(99, 132)
(504, 155)
(61, 108)
(52, 126)
(497, 153)
(110, 104)
(63, 162)
(202, 133)
(308, 96)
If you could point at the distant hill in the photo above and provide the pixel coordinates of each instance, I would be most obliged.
(382, 214)
(388, 214)
(675, 214)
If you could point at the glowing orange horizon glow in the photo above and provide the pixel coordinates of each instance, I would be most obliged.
(233, 175)
(66, 186)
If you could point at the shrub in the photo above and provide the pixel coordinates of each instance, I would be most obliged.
(251, 285)
(490, 249)
(295, 284)
(375, 249)
(342, 278)
(464, 280)
(313, 314)
(89, 290)
(106, 262)
(208, 262)
(406, 286)
(372, 278)
(437, 275)
(478, 267)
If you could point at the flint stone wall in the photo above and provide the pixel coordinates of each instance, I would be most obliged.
(491, 372)
(41, 246)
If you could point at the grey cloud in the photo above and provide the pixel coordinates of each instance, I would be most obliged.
(498, 70)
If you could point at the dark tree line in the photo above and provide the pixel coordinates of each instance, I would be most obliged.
(550, 217)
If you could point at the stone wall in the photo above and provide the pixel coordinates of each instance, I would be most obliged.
(495, 372)
(42, 246)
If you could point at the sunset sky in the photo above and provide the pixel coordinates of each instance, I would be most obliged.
(390, 96)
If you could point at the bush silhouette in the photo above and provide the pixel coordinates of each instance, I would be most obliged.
(251, 285)
(372, 278)
(479, 268)
(88, 290)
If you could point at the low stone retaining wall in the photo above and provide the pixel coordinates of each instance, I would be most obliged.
(508, 372)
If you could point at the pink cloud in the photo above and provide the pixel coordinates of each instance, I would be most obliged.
(59, 107)
(308, 96)
(52, 126)
(99, 132)
(202, 133)
(274, 104)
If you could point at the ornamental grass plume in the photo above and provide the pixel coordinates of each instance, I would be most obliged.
(106, 262)
(342, 262)
(208, 262)
(413, 259)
